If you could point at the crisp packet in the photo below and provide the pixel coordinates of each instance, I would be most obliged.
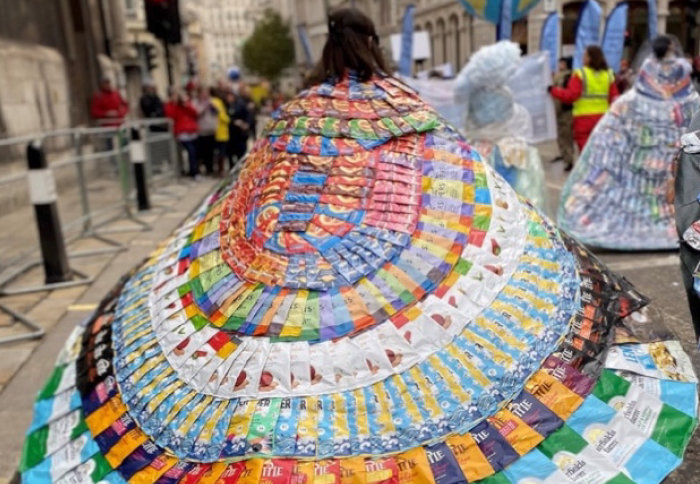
(611, 435)
(327, 472)
(306, 426)
(381, 471)
(664, 360)
(443, 464)
(534, 467)
(578, 461)
(664, 424)
(262, 426)
(414, 467)
(276, 376)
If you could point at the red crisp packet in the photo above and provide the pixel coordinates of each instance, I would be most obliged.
(277, 471)
(327, 472)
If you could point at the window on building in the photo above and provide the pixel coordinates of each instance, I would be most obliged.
(569, 21)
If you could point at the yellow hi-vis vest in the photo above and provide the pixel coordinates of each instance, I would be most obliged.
(594, 96)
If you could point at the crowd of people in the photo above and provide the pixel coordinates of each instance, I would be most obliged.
(213, 125)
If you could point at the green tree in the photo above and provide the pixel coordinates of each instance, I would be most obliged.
(270, 49)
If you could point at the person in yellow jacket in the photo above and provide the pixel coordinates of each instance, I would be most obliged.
(591, 90)
(222, 133)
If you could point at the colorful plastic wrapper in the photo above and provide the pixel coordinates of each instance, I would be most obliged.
(424, 325)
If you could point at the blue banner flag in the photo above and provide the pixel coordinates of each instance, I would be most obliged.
(549, 39)
(505, 23)
(406, 59)
(653, 19)
(614, 36)
(305, 43)
(587, 30)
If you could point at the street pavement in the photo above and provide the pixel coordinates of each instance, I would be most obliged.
(25, 366)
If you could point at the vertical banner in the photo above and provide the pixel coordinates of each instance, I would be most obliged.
(653, 19)
(406, 59)
(549, 39)
(505, 21)
(614, 36)
(587, 30)
(305, 44)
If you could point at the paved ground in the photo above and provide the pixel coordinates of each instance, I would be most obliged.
(24, 367)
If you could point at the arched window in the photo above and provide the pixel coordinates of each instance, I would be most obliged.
(441, 42)
(431, 39)
(456, 54)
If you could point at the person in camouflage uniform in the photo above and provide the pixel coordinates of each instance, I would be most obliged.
(565, 136)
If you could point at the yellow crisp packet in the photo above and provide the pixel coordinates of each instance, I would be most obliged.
(414, 467)
(519, 435)
(126, 445)
(251, 471)
(471, 460)
(103, 417)
(352, 470)
(553, 393)
(155, 470)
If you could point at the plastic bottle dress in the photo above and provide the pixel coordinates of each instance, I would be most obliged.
(617, 196)
(497, 126)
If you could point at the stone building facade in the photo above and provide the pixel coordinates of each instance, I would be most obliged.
(454, 34)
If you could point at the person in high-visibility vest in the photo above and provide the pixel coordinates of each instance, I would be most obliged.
(591, 89)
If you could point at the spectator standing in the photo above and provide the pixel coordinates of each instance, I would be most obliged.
(184, 116)
(151, 105)
(565, 135)
(221, 135)
(108, 107)
(590, 89)
(238, 128)
(207, 122)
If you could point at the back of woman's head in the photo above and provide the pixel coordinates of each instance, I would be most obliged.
(352, 44)
(596, 58)
(661, 46)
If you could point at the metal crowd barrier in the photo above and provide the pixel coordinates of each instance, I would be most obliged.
(125, 162)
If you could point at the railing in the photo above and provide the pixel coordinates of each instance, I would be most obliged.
(94, 178)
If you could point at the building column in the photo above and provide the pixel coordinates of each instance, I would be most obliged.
(662, 14)
(484, 33)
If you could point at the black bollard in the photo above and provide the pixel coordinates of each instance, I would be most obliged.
(137, 153)
(42, 193)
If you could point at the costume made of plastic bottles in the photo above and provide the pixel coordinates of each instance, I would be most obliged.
(617, 195)
(498, 127)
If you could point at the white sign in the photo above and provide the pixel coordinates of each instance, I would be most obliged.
(421, 46)
(137, 153)
(549, 5)
(42, 186)
(528, 85)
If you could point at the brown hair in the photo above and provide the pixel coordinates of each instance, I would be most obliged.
(596, 58)
(352, 44)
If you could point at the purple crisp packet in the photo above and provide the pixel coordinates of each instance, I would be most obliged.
(573, 379)
(497, 450)
(534, 413)
(444, 465)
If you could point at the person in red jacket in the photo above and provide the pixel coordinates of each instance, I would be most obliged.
(108, 107)
(184, 116)
(591, 89)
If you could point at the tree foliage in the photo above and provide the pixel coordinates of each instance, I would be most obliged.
(270, 48)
